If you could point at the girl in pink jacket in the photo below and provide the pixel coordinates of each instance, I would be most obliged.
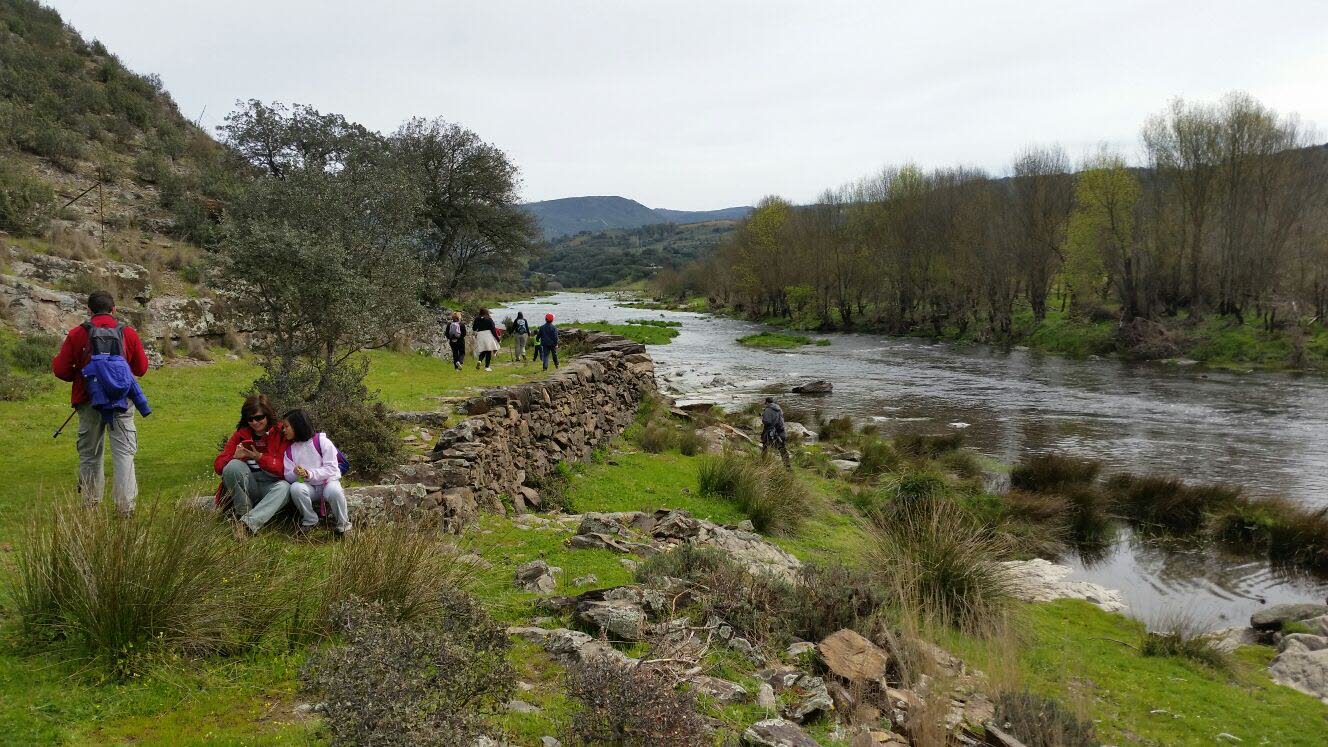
(313, 473)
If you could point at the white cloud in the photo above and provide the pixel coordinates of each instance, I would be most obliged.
(695, 105)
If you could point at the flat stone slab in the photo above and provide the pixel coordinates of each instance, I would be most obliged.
(1273, 617)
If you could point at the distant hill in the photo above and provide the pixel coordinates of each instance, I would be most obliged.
(572, 215)
(620, 256)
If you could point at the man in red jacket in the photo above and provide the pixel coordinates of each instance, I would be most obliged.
(92, 430)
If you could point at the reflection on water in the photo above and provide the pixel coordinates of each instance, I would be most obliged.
(1266, 432)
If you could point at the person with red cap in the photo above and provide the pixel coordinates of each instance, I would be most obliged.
(547, 337)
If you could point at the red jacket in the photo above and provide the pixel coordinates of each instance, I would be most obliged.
(274, 449)
(67, 365)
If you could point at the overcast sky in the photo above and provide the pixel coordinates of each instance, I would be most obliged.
(701, 105)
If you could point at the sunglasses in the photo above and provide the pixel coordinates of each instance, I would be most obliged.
(252, 418)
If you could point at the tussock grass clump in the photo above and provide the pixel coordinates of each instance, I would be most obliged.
(393, 683)
(121, 587)
(690, 442)
(687, 562)
(655, 438)
(771, 496)
(1049, 473)
(1039, 721)
(961, 463)
(1168, 504)
(1251, 521)
(397, 568)
(1036, 508)
(1182, 637)
(919, 446)
(837, 429)
(878, 457)
(918, 486)
(938, 562)
(1301, 537)
(633, 706)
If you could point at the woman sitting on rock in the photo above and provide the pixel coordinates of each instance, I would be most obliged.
(486, 339)
(314, 473)
(250, 467)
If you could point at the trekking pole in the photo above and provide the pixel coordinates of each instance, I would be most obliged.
(62, 425)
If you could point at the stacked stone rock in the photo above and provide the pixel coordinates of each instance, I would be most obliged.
(514, 436)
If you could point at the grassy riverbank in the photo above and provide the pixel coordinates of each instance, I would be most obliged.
(1219, 342)
(1066, 650)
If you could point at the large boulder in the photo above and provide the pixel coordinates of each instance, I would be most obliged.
(1302, 664)
(820, 386)
(1273, 617)
(799, 433)
(852, 657)
(719, 690)
(1040, 580)
(776, 732)
(536, 576)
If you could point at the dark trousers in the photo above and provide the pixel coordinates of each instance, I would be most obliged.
(545, 352)
(486, 358)
(458, 352)
(771, 437)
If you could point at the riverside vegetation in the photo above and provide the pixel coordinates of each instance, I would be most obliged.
(1214, 249)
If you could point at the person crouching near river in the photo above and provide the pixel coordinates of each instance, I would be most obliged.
(314, 474)
(250, 465)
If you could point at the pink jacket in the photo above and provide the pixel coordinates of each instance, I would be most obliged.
(323, 468)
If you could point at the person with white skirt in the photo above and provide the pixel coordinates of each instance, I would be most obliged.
(486, 339)
(314, 473)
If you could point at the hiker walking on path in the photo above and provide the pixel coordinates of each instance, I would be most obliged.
(486, 339)
(456, 339)
(522, 329)
(103, 335)
(312, 466)
(547, 337)
(772, 430)
(251, 468)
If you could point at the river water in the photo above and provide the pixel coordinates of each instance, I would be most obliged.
(1266, 432)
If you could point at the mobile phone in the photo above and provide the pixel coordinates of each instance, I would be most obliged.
(247, 443)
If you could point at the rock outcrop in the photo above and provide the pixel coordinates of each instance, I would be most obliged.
(1041, 580)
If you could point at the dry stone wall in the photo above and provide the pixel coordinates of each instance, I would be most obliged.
(514, 436)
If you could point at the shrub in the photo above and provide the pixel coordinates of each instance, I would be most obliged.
(633, 706)
(392, 683)
(655, 438)
(938, 561)
(33, 353)
(1039, 721)
(1182, 638)
(837, 429)
(552, 487)
(344, 408)
(919, 446)
(121, 587)
(1167, 503)
(833, 597)
(878, 457)
(690, 442)
(26, 204)
(1047, 473)
(397, 568)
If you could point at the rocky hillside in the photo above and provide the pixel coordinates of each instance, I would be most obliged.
(103, 184)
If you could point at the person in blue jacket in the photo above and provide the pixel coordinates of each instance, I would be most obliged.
(547, 336)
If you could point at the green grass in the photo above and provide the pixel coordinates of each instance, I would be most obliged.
(649, 334)
(47, 699)
(1073, 651)
(781, 340)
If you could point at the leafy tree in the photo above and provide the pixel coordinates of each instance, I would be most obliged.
(1101, 233)
(469, 202)
(319, 256)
